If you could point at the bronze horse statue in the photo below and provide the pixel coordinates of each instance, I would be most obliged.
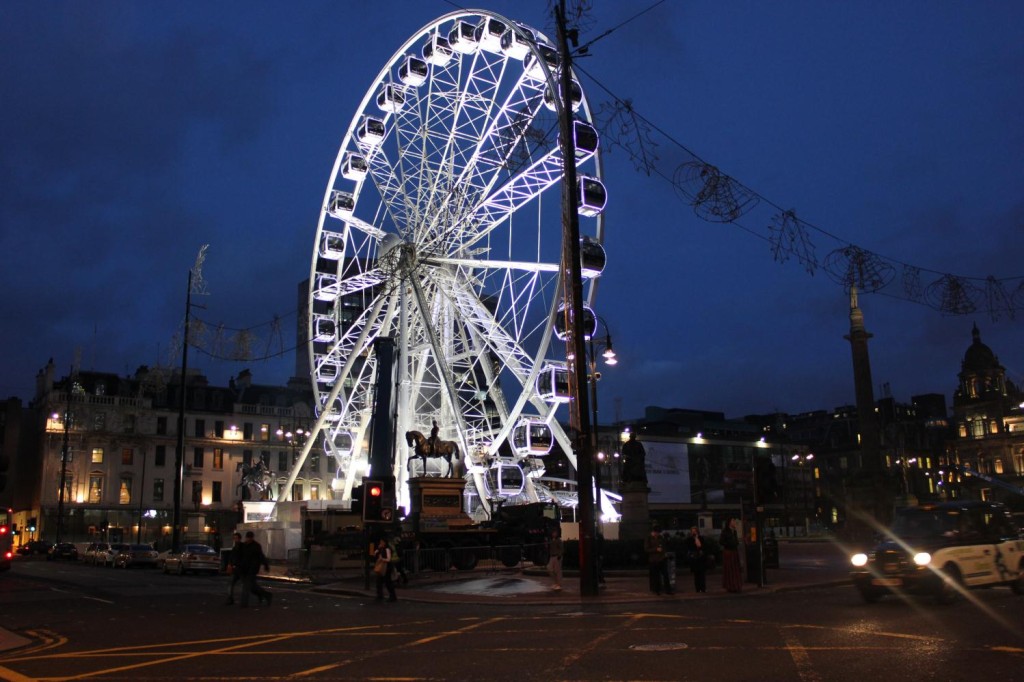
(256, 479)
(425, 447)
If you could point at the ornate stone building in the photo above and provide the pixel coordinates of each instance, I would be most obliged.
(986, 456)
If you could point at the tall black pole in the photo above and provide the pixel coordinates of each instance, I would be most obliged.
(179, 455)
(142, 488)
(572, 296)
(64, 458)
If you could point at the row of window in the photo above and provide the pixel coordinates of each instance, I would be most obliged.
(284, 462)
(124, 493)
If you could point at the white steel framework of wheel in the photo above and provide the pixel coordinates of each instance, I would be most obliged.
(441, 228)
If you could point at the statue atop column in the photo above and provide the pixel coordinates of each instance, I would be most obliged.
(634, 458)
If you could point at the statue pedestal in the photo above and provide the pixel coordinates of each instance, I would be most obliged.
(636, 518)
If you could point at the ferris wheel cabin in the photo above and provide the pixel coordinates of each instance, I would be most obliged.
(327, 287)
(370, 131)
(514, 45)
(342, 203)
(413, 71)
(593, 257)
(462, 38)
(532, 67)
(354, 167)
(591, 195)
(332, 245)
(391, 98)
(589, 323)
(532, 437)
(323, 329)
(575, 92)
(488, 34)
(505, 479)
(553, 384)
(585, 138)
(437, 51)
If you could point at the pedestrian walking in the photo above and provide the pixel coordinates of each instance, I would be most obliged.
(234, 556)
(396, 560)
(382, 569)
(251, 559)
(555, 551)
(732, 575)
(657, 562)
(697, 559)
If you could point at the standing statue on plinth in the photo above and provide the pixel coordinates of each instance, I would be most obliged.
(634, 464)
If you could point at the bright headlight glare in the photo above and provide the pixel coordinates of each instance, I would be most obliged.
(922, 558)
(859, 559)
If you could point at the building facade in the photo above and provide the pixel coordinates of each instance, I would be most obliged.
(111, 443)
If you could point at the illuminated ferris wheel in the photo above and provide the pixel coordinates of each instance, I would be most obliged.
(441, 228)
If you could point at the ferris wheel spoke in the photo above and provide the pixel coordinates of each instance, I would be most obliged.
(504, 128)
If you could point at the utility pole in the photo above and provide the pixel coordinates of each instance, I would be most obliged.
(572, 297)
(179, 454)
(65, 447)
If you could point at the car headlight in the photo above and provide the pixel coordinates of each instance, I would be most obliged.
(922, 558)
(859, 559)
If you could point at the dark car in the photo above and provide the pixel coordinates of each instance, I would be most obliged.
(942, 549)
(135, 555)
(62, 550)
(35, 547)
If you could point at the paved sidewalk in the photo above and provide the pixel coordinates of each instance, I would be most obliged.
(802, 566)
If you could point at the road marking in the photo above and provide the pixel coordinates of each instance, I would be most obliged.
(322, 668)
(594, 643)
(8, 674)
(802, 660)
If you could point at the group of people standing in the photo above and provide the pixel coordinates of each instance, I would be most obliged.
(696, 555)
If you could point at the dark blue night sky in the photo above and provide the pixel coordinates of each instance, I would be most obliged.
(132, 133)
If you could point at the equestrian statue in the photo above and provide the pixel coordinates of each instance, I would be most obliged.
(432, 446)
(255, 482)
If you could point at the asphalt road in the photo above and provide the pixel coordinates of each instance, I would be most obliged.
(92, 623)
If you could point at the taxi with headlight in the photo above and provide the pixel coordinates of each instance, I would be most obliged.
(941, 550)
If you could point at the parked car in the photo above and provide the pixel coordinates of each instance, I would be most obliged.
(35, 547)
(62, 550)
(93, 553)
(107, 557)
(136, 555)
(942, 549)
(191, 558)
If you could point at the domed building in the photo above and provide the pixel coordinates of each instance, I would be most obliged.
(989, 426)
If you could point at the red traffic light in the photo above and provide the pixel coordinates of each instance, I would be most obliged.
(375, 491)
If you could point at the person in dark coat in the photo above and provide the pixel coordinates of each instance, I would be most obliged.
(732, 574)
(385, 578)
(698, 559)
(657, 562)
(233, 558)
(251, 559)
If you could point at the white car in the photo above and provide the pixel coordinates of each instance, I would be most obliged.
(194, 558)
(942, 549)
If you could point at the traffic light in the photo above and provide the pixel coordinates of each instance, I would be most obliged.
(32, 525)
(373, 500)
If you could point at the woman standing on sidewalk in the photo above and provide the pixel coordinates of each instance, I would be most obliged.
(555, 549)
(732, 575)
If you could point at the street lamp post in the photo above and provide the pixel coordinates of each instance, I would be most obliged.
(610, 359)
(802, 461)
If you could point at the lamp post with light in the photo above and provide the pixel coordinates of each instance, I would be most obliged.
(610, 359)
(801, 461)
(295, 438)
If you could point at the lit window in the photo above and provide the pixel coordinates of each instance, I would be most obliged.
(998, 465)
(124, 494)
(97, 455)
(95, 488)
